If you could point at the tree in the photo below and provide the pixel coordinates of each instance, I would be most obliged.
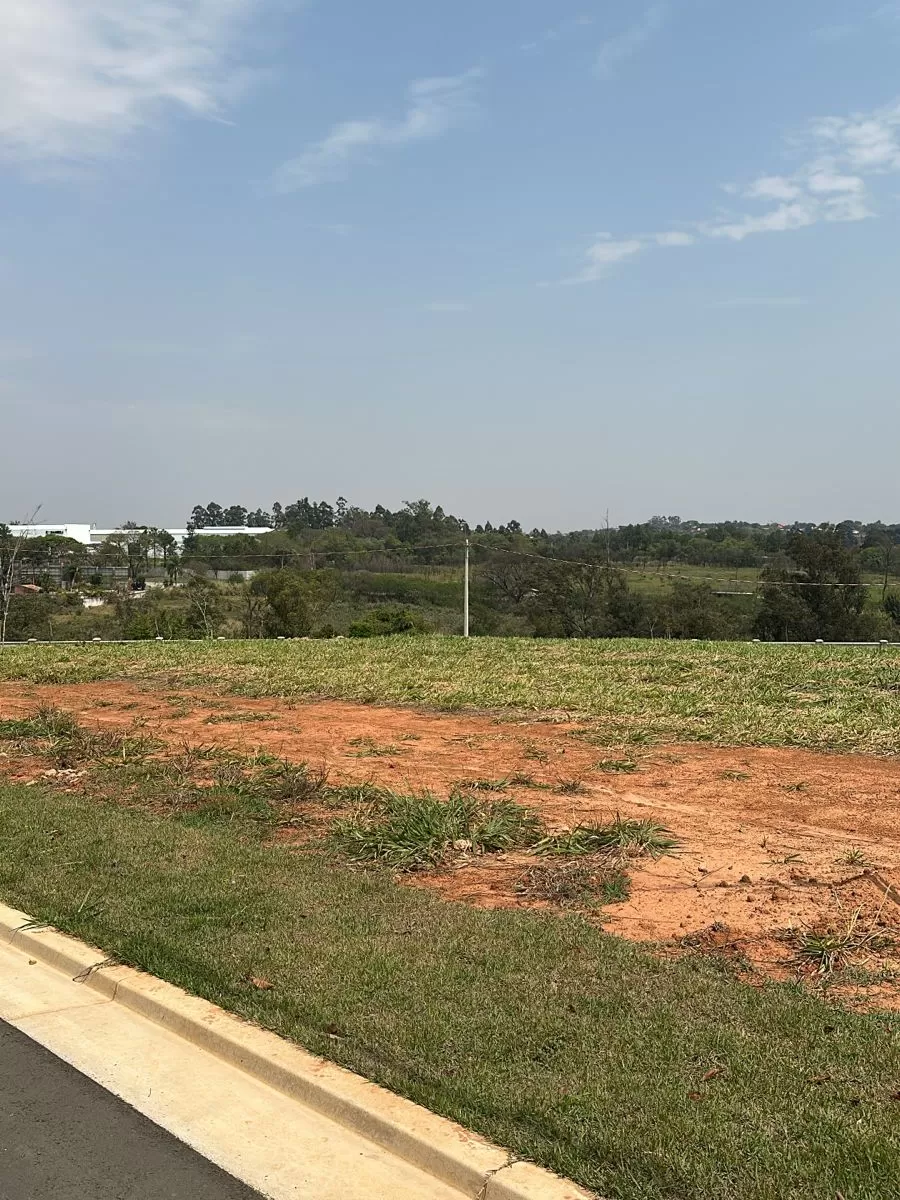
(10, 549)
(820, 595)
(205, 613)
(286, 612)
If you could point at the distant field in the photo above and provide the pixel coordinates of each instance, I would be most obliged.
(819, 697)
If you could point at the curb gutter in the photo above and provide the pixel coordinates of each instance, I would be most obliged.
(433, 1144)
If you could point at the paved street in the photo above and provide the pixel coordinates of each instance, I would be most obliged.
(63, 1137)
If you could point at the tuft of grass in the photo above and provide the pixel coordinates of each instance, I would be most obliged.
(735, 776)
(63, 739)
(285, 783)
(569, 787)
(239, 718)
(522, 779)
(481, 785)
(855, 857)
(622, 836)
(840, 946)
(415, 832)
(616, 766)
(576, 884)
(367, 747)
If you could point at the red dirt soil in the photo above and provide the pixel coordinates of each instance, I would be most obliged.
(770, 839)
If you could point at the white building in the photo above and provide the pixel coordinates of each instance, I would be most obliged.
(90, 535)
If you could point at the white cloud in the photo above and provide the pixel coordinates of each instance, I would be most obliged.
(674, 239)
(434, 107)
(77, 77)
(606, 251)
(831, 186)
(778, 220)
(864, 141)
(618, 50)
(773, 187)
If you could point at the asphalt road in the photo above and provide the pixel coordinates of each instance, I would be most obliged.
(62, 1137)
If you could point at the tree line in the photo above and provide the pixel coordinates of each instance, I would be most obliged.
(323, 569)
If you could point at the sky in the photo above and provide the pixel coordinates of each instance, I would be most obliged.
(530, 259)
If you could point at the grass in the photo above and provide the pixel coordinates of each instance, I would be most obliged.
(483, 785)
(239, 718)
(619, 836)
(818, 697)
(575, 884)
(840, 947)
(413, 832)
(58, 734)
(366, 747)
(616, 766)
(642, 1078)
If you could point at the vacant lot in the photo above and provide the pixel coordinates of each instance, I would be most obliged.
(428, 896)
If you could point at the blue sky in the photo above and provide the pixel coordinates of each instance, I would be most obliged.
(528, 259)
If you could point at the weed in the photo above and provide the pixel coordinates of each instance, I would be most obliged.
(855, 857)
(239, 718)
(623, 836)
(534, 753)
(616, 766)
(570, 787)
(735, 776)
(367, 747)
(290, 783)
(575, 884)
(412, 832)
(523, 780)
(481, 785)
(794, 787)
(839, 946)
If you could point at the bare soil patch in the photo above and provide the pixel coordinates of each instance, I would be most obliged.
(776, 846)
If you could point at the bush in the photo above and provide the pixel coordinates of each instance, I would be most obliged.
(385, 622)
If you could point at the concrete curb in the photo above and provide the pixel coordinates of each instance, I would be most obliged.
(442, 1149)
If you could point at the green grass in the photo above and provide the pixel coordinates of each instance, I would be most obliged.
(413, 832)
(576, 1049)
(619, 836)
(820, 697)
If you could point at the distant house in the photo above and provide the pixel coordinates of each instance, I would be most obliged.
(26, 589)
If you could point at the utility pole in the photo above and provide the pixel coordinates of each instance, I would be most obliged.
(466, 595)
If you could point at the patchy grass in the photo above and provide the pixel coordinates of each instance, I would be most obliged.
(482, 785)
(239, 718)
(839, 947)
(622, 836)
(642, 1078)
(366, 747)
(569, 787)
(576, 884)
(616, 766)
(414, 832)
(58, 735)
(724, 692)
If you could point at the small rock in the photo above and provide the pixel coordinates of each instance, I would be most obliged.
(745, 879)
